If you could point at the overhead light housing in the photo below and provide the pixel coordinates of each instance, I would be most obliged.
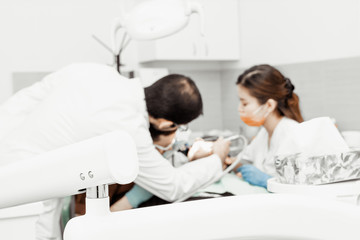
(154, 19)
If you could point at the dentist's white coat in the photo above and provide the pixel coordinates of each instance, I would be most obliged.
(82, 101)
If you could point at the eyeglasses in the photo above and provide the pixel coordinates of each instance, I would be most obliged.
(181, 128)
(172, 128)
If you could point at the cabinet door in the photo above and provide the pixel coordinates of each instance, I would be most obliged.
(221, 40)
(221, 30)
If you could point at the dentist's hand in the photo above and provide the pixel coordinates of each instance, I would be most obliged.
(221, 148)
(200, 149)
(253, 175)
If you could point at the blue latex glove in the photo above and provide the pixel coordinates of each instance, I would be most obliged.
(253, 175)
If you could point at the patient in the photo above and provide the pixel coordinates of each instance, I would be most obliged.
(165, 143)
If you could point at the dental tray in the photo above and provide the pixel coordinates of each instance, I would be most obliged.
(302, 169)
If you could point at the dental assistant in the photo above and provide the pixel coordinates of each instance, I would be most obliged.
(267, 100)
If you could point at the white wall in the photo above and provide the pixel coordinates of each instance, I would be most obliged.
(43, 36)
(285, 32)
(326, 88)
(315, 43)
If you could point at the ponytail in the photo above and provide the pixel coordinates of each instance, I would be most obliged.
(291, 109)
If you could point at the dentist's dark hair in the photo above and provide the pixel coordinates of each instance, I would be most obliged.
(174, 97)
(266, 82)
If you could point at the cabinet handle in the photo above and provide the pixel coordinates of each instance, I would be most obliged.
(206, 49)
(194, 49)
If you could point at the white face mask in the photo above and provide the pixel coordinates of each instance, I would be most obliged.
(165, 148)
(173, 147)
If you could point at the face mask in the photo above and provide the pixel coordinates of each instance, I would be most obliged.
(254, 120)
(173, 147)
(165, 148)
(168, 150)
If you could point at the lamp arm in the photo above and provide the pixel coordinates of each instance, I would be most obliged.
(116, 25)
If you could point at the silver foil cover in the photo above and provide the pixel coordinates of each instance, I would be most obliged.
(302, 169)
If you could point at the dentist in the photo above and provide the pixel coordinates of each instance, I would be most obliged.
(82, 101)
(267, 100)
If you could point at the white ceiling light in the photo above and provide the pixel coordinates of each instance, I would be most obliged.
(153, 19)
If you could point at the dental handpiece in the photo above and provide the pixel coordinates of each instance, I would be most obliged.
(231, 138)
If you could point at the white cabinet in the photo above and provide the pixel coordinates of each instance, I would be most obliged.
(221, 40)
(285, 32)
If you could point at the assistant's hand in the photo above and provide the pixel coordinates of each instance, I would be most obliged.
(253, 175)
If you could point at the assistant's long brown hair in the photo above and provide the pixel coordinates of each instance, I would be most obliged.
(265, 82)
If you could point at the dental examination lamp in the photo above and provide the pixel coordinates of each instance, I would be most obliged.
(85, 166)
(152, 19)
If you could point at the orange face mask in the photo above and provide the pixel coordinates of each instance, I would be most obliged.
(254, 120)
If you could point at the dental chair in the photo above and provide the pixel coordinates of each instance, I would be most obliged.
(19, 222)
(347, 191)
(261, 216)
